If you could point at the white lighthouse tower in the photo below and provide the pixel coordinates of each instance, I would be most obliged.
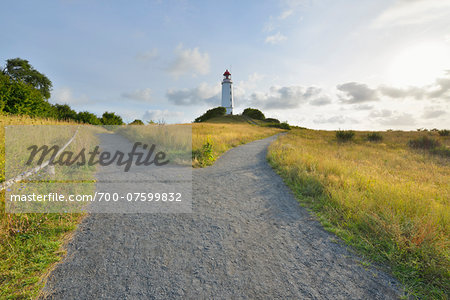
(227, 92)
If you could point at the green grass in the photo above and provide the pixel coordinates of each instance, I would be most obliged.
(31, 243)
(388, 201)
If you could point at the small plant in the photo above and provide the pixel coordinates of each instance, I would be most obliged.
(374, 137)
(205, 155)
(345, 135)
(424, 142)
(444, 132)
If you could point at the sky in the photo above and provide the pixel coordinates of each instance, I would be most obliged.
(322, 64)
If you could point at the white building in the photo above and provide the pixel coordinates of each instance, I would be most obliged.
(227, 92)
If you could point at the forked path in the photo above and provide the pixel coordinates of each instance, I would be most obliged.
(246, 238)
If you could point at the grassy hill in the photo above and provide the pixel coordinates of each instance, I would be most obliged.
(387, 199)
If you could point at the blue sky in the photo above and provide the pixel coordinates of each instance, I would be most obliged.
(319, 63)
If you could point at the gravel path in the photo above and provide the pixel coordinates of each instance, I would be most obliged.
(246, 238)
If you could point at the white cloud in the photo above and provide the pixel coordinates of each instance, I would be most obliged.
(286, 13)
(384, 113)
(190, 61)
(203, 94)
(404, 119)
(440, 89)
(141, 95)
(433, 113)
(335, 120)
(353, 92)
(413, 12)
(147, 55)
(275, 39)
(65, 95)
(286, 97)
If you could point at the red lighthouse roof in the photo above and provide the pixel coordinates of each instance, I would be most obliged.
(227, 73)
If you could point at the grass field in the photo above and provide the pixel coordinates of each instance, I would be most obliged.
(387, 200)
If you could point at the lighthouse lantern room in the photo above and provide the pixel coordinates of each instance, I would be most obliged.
(227, 92)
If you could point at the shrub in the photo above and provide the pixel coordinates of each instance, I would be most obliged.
(272, 120)
(444, 132)
(283, 125)
(110, 118)
(205, 155)
(64, 112)
(88, 118)
(441, 151)
(253, 113)
(374, 137)
(136, 122)
(212, 113)
(424, 142)
(345, 135)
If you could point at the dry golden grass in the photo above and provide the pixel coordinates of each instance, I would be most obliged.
(388, 200)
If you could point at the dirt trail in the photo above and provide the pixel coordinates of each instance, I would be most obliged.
(246, 238)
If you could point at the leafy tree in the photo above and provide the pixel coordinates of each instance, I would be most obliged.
(110, 118)
(88, 118)
(253, 113)
(17, 97)
(20, 70)
(136, 122)
(214, 112)
(64, 112)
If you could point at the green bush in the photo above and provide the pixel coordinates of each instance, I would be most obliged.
(136, 122)
(272, 120)
(253, 113)
(345, 135)
(205, 155)
(424, 142)
(444, 132)
(212, 113)
(110, 118)
(88, 118)
(441, 151)
(283, 125)
(64, 112)
(374, 137)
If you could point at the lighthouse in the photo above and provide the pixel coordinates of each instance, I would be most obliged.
(227, 92)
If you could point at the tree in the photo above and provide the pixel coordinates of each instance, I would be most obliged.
(20, 70)
(64, 112)
(110, 118)
(137, 122)
(17, 97)
(88, 118)
(253, 113)
(214, 112)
